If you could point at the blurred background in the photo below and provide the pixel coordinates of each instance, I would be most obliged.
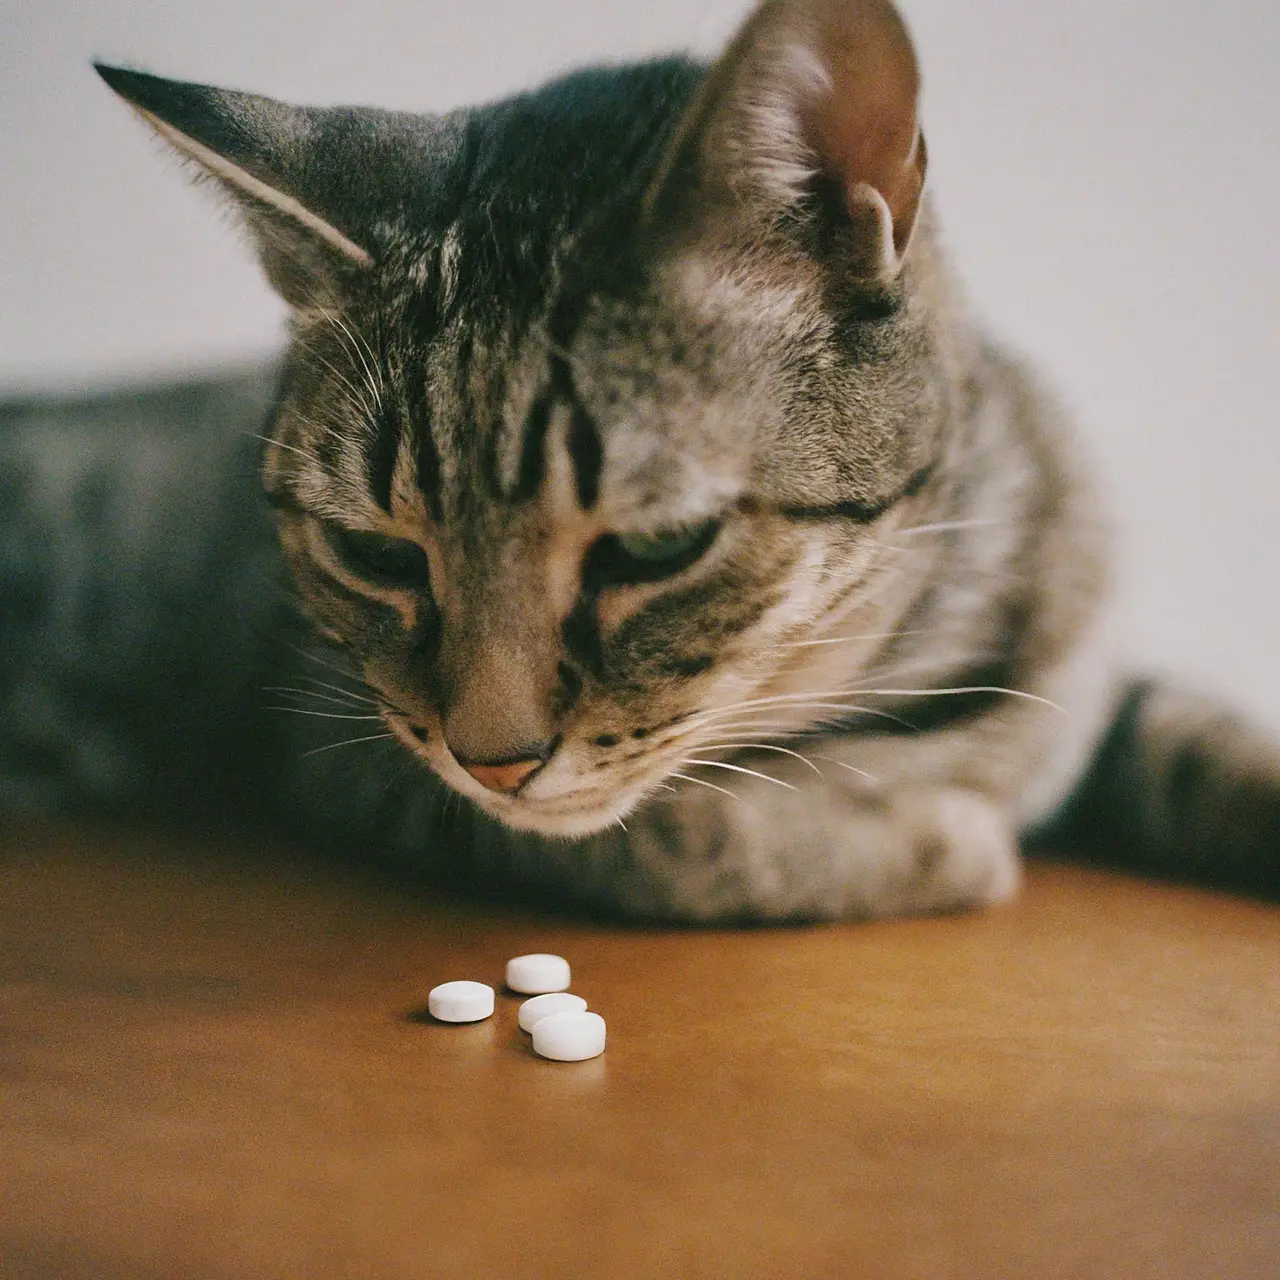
(1109, 177)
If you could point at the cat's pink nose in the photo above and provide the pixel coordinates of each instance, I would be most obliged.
(507, 777)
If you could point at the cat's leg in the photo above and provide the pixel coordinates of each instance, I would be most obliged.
(868, 824)
(830, 848)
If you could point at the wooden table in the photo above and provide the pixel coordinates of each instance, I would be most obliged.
(213, 1063)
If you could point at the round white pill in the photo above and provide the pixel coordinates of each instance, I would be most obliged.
(460, 1001)
(569, 1037)
(535, 974)
(533, 1011)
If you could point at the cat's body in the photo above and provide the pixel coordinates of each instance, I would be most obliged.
(140, 576)
(648, 479)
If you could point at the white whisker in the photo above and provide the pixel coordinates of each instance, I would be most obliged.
(322, 715)
(286, 691)
(946, 526)
(327, 428)
(946, 693)
(799, 702)
(862, 773)
(338, 322)
(737, 768)
(324, 684)
(292, 448)
(348, 742)
(381, 700)
(702, 782)
(771, 727)
(344, 672)
(948, 662)
(347, 699)
(360, 401)
(758, 746)
(884, 635)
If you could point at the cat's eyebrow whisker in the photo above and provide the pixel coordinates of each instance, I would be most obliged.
(339, 324)
(702, 782)
(357, 397)
(328, 427)
(292, 448)
(737, 768)
(348, 742)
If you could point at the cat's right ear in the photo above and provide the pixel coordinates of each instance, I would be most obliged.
(812, 111)
(267, 156)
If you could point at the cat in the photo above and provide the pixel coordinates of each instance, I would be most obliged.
(667, 532)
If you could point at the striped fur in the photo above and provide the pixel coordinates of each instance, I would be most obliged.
(663, 312)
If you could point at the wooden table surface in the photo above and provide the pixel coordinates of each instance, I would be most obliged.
(213, 1063)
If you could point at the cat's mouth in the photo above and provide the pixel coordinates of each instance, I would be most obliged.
(572, 813)
(564, 806)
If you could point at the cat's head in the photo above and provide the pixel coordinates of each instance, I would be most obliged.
(597, 398)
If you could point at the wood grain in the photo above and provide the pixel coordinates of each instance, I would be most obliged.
(213, 1064)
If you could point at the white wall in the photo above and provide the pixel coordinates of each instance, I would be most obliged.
(1110, 177)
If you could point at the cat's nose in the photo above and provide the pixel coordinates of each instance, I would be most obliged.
(507, 776)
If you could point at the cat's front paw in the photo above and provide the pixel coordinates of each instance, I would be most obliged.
(817, 849)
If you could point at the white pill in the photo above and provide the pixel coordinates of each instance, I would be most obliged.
(460, 1001)
(569, 1037)
(533, 975)
(533, 1011)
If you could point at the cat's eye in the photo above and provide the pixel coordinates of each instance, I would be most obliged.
(390, 560)
(620, 558)
(659, 548)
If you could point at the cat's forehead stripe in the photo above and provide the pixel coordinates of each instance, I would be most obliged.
(428, 467)
(586, 452)
(533, 448)
(382, 451)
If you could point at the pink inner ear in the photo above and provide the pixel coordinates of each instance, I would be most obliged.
(865, 128)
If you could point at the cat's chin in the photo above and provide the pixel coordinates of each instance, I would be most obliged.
(561, 823)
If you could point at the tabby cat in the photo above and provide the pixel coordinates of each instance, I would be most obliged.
(644, 482)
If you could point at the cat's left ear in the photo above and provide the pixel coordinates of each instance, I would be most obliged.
(814, 99)
(289, 170)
